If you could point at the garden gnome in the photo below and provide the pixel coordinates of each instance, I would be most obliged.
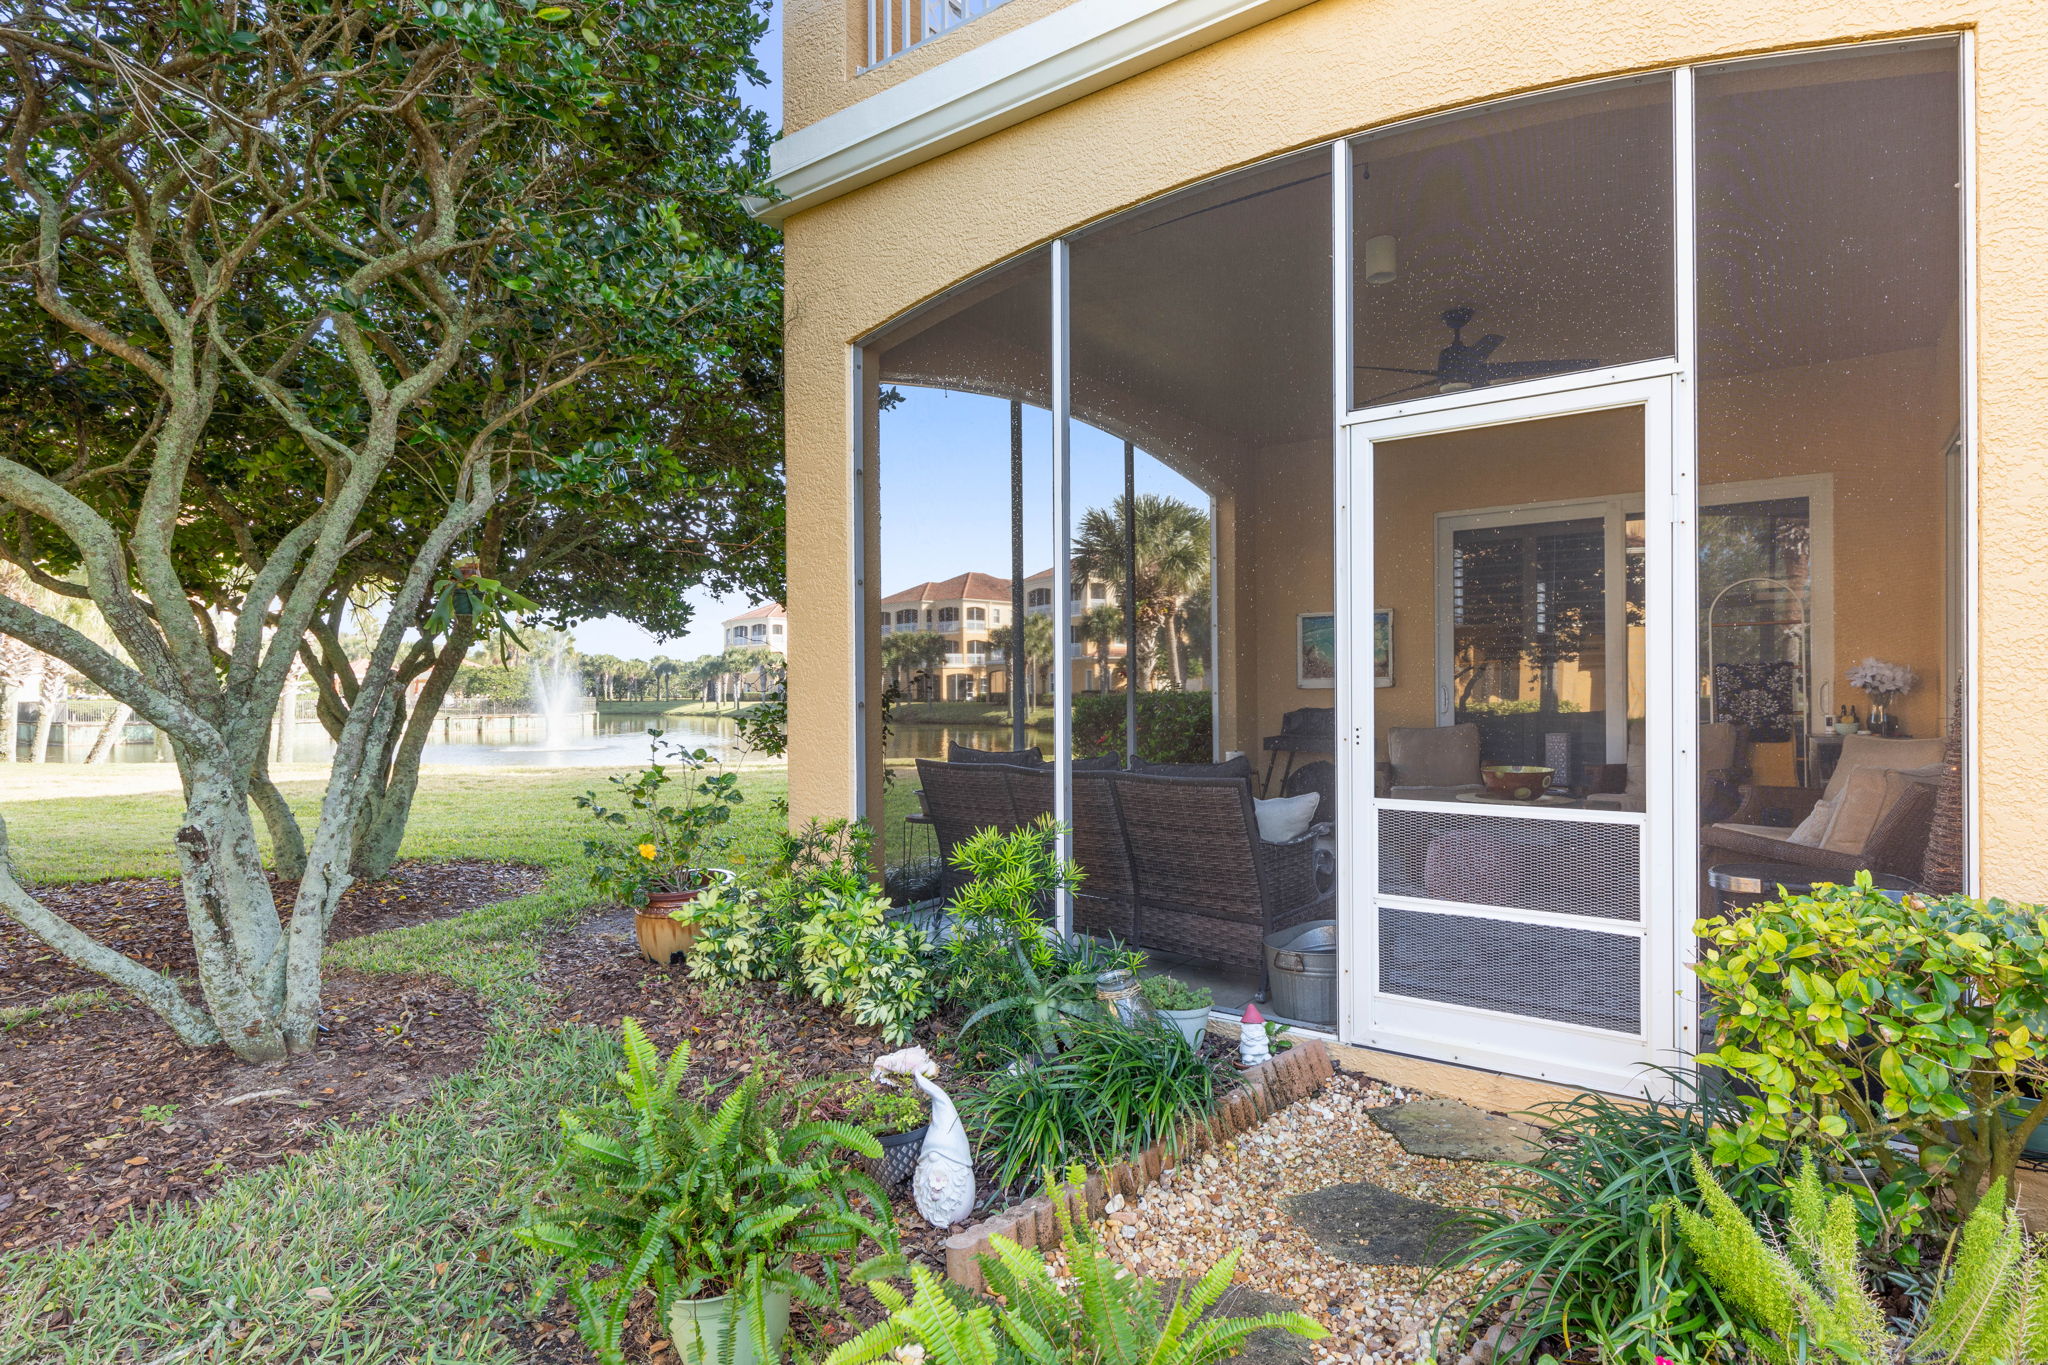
(944, 1183)
(1251, 1038)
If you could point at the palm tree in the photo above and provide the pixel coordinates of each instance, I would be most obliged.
(1101, 627)
(908, 653)
(1037, 650)
(1172, 565)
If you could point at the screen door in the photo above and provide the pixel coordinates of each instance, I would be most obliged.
(1521, 729)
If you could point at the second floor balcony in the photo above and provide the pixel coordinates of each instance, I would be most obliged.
(896, 26)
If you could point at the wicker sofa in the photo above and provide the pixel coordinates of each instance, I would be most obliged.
(1169, 863)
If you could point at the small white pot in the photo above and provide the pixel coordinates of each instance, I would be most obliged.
(1193, 1024)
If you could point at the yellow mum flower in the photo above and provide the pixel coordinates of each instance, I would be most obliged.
(647, 851)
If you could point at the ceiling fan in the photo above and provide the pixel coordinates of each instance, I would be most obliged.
(1465, 365)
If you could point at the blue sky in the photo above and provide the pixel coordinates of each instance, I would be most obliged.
(945, 480)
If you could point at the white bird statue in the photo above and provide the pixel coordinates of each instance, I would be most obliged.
(944, 1183)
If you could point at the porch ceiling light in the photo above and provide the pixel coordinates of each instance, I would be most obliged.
(1380, 260)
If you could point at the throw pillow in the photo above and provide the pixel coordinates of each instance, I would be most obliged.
(1284, 819)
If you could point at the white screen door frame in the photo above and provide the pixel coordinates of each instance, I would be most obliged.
(1567, 1053)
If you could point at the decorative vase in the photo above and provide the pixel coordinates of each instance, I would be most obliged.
(663, 939)
(714, 1332)
(1120, 994)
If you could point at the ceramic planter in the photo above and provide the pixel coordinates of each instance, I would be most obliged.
(898, 1161)
(663, 939)
(1193, 1024)
(699, 1329)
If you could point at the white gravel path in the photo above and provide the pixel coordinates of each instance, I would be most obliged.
(1232, 1197)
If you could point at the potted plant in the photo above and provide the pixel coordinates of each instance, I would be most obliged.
(659, 844)
(710, 1202)
(1181, 1005)
(897, 1119)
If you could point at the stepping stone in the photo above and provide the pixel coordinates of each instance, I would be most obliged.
(1274, 1345)
(1367, 1225)
(1458, 1132)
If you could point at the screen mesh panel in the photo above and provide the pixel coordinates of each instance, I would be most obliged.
(1566, 867)
(1575, 976)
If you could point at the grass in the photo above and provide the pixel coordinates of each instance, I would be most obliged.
(965, 713)
(400, 1225)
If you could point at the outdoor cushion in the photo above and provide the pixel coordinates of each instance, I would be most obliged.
(1016, 758)
(1284, 819)
(1860, 752)
(1106, 763)
(1231, 767)
(1866, 798)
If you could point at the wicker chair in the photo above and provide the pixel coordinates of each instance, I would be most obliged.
(1206, 885)
(1105, 905)
(962, 799)
(1897, 844)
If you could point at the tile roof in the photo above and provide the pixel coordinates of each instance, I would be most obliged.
(969, 586)
(760, 613)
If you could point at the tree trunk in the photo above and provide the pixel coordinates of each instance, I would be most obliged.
(287, 841)
(10, 722)
(110, 734)
(389, 808)
(237, 935)
(46, 718)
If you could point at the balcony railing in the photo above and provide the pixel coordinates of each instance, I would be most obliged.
(896, 26)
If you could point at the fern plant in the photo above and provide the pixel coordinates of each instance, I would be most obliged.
(1108, 1316)
(700, 1199)
(1989, 1306)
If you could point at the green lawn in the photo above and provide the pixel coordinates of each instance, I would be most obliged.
(401, 1223)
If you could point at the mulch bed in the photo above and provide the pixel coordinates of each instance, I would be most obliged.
(104, 1111)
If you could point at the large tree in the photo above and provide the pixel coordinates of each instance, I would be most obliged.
(357, 287)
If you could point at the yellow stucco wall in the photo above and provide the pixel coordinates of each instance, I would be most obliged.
(1338, 66)
(824, 44)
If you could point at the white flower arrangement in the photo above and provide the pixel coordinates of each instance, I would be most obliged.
(1881, 679)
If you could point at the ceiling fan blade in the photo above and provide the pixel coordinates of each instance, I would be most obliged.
(1529, 369)
(1486, 345)
(1395, 369)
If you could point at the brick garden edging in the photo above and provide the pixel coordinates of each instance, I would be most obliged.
(1260, 1093)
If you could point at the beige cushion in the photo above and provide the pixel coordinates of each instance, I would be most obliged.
(1434, 756)
(1857, 789)
(1283, 819)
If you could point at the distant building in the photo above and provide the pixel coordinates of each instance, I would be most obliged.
(766, 625)
(966, 610)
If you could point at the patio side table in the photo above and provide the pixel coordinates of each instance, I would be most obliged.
(1738, 886)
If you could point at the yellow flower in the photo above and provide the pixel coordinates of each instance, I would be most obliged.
(647, 851)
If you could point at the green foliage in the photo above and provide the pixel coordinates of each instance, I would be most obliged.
(818, 922)
(698, 1200)
(1170, 993)
(882, 1110)
(666, 845)
(1115, 1090)
(1106, 1316)
(1047, 1005)
(1938, 1001)
(1582, 1245)
(1173, 727)
(1805, 1290)
(999, 949)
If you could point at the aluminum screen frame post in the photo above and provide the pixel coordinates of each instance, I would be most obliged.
(1062, 574)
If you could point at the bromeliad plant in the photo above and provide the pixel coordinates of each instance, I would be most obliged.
(653, 843)
(1107, 1316)
(698, 1200)
(1903, 1032)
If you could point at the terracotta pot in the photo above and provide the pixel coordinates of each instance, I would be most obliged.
(663, 939)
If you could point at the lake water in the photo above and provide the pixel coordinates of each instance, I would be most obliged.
(587, 740)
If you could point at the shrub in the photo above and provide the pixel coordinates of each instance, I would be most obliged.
(879, 1110)
(1167, 993)
(1582, 1246)
(1867, 1022)
(654, 844)
(1990, 1302)
(1107, 1316)
(698, 1201)
(1116, 1090)
(1173, 727)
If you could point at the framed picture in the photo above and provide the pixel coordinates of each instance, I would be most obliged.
(1382, 646)
(1315, 655)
